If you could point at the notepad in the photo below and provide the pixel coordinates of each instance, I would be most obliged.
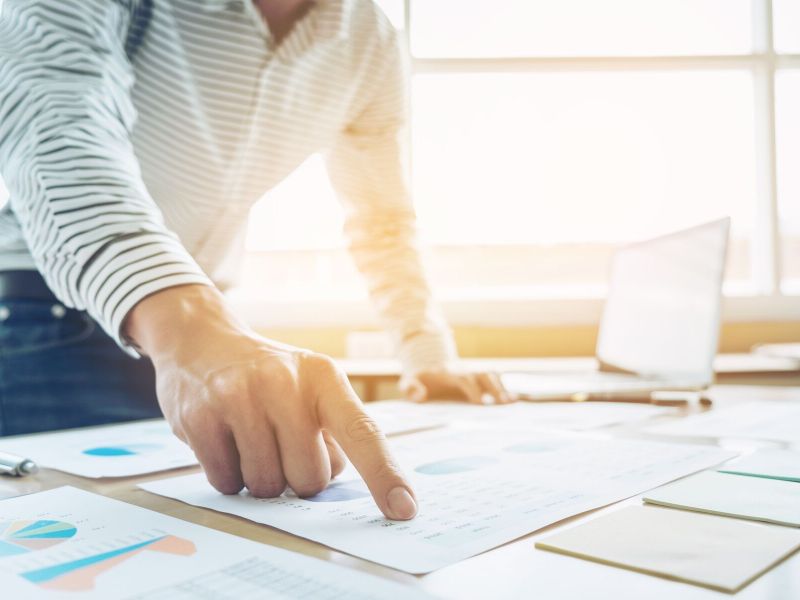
(716, 552)
(772, 464)
(752, 498)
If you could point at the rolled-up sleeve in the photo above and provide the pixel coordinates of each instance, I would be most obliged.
(368, 171)
(74, 183)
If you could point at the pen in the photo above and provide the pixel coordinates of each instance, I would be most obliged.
(18, 466)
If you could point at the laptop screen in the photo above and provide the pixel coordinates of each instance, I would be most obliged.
(663, 309)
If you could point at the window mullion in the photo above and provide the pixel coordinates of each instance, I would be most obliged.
(766, 243)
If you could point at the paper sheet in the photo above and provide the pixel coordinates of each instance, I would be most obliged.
(791, 351)
(477, 489)
(753, 498)
(107, 451)
(67, 543)
(772, 464)
(765, 420)
(717, 552)
(398, 416)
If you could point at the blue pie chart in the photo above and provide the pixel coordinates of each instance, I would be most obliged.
(456, 465)
(116, 451)
(341, 492)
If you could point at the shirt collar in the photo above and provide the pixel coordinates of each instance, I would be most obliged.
(326, 20)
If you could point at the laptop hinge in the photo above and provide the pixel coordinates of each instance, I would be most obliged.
(605, 367)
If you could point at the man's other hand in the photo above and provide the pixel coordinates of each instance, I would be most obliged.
(477, 388)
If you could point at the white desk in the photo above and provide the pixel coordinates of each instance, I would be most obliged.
(515, 570)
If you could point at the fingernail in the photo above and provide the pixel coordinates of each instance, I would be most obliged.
(401, 504)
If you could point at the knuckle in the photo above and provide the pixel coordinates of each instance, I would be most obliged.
(386, 470)
(196, 420)
(277, 375)
(364, 429)
(188, 415)
(225, 384)
(320, 364)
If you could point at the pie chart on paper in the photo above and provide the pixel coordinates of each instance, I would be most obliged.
(116, 451)
(21, 537)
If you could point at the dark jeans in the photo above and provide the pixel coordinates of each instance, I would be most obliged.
(58, 370)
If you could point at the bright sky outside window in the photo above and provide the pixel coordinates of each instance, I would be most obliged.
(788, 130)
(787, 25)
(515, 28)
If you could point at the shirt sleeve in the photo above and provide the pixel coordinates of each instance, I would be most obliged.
(74, 183)
(367, 168)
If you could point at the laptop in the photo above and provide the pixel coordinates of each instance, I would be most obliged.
(660, 324)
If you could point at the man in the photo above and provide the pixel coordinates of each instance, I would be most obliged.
(134, 137)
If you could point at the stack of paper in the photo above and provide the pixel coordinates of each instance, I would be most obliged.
(772, 464)
(766, 500)
(716, 552)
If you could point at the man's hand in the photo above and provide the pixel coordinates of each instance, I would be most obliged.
(477, 388)
(257, 413)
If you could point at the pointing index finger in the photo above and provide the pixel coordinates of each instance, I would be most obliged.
(341, 413)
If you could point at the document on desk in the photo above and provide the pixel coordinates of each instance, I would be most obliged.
(766, 420)
(477, 489)
(399, 416)
(769, 463)
(67, 543)
(716, 552)
(106, 451)
(738, 496)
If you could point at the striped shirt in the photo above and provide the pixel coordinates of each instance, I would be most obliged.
(135, 137)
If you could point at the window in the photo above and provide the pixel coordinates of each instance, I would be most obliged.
(545, 134)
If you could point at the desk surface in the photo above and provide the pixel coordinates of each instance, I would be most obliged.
(724, 365)
(515, 570)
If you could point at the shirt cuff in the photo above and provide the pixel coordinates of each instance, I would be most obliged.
(428, 351)
(131, 270)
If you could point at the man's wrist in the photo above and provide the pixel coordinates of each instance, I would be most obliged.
(164, 322)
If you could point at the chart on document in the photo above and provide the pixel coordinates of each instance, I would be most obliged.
(106, 451)
(477, 489)
(67, 543)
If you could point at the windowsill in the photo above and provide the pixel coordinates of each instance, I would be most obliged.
(491, 308)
